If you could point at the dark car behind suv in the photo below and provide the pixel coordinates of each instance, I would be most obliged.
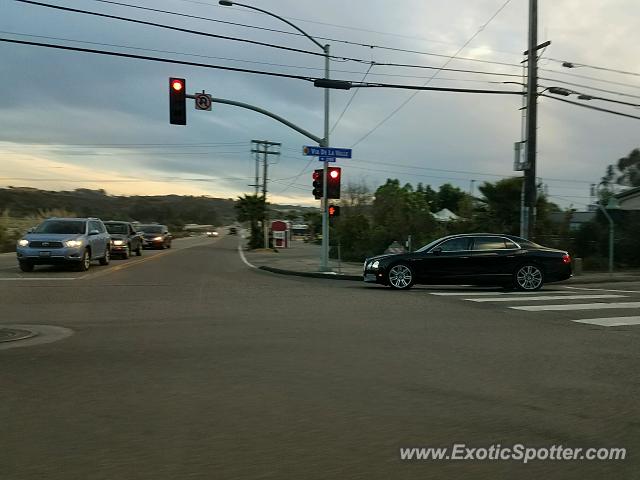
(71, 241)
(155, 236)
(125, 239)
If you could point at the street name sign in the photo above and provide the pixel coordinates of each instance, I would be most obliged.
(326, 152)
(327, 159)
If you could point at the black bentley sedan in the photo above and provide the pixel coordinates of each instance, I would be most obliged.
(474, 259)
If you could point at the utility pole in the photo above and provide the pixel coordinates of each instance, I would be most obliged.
(254, 148)
(262, 147)
(530, 194)
(324, 254)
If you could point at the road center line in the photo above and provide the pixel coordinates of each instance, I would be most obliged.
(603, 290)
(463, 293)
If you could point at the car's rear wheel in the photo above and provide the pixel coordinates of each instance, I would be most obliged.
(26, 266)
(107, 257)
(529, 277)
(400, 277)
(85, 261)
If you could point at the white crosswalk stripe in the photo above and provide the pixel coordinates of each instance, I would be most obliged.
(558, 301)
(610, 321)
(543, 298)
(578, 306)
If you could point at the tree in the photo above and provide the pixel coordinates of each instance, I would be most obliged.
(449, 197)
(252, 209)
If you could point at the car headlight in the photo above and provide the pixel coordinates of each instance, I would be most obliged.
(118, 242)
(23, 243)
(375, 265)
(73, 243)
(157, 238)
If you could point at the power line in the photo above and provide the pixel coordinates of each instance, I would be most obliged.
(329, 39)
(402, 105)
(264, 44)
(129, 145)
(245, 61)
(581, 85)
(591, 107)
(594, 97)
(353, 95)
(586, 77)
(257, 72)
(594, 67)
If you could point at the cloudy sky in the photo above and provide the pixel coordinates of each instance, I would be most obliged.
(70, 120)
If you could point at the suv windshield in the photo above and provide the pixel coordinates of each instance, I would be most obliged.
(151, 228)
(117, 228)
(67, 227)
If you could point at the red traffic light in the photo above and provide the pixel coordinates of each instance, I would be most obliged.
(177, 85)
(332, 210)
(316, 175)
(333, 173)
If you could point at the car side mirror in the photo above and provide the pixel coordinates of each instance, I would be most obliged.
(30, 230)
(93, 232)
(437, 251)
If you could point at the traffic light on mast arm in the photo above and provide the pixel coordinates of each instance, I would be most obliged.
(318, 181)
(333, 182)
(177, 101)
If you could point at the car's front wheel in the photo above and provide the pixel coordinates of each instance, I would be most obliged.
(26, 266)
(529, 277)
(126, 252)
(107, 257)
(400, 277)
(85, 261)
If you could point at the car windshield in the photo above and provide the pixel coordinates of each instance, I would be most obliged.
(116, 228)
(151, 228)
(65, 227)
(428, 246)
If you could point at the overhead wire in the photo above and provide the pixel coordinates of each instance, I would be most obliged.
(412, 96)
(591, 107)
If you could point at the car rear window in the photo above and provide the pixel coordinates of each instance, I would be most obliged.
(118, 228)
(151, 228)
(490, 243)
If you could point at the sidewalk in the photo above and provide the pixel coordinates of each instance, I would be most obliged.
(304, 259)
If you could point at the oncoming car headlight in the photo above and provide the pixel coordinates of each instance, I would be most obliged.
(23, 243)
(157, 238)
(118, 242)
(73, 243)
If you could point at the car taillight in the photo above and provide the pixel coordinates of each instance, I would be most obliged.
(566, 258)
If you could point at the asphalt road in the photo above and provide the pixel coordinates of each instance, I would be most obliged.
(188, 364)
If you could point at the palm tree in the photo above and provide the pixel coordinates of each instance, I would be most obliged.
(252, 209)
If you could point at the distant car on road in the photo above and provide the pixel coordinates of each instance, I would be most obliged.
(212, 233)
(475, 259)
(71, 241)
(125, 239)
(155, 236)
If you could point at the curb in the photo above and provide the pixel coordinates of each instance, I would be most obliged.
(326, 276)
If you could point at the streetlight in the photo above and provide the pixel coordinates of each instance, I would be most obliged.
(324, 257)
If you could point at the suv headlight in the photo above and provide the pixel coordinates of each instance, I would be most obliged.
(118, 242)
(23, 243)
(73, 243)
(157, 238)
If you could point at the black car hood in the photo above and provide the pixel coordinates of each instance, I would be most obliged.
(391, 255)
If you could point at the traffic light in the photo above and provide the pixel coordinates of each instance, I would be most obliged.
(334, 211)
(318, 181)
(333, 182)
(177, 101)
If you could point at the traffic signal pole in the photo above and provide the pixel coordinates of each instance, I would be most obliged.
(324, 252)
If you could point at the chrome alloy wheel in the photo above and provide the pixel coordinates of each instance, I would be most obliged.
(400, 276)
(529, 277)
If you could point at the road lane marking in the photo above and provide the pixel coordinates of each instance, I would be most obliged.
(578, 306)
(244, 259)
(543, 297)
(462, 293)
(604, 290)
(44, 279)
(611, 321)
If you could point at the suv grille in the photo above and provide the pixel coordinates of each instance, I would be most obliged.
(38, 244)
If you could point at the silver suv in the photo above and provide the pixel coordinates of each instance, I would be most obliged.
(74, 241)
